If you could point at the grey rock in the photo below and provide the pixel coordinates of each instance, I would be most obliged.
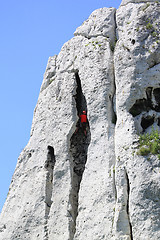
(124, 2)
(72, 186)
(100, 23)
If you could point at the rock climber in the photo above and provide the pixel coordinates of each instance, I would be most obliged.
(82, 122)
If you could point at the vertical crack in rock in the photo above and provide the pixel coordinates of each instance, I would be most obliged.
(113, 113)
(114, 183)
(79, 97)
(127, 207)
(112, 100)
(113, 109)
(114, 120)
(49, 165)
(79, 143)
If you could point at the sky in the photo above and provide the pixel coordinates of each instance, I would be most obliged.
(30, 32)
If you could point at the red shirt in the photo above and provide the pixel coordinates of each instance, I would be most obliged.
(83, 118)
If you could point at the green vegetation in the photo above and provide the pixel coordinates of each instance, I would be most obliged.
(143, 151)
(94, 44)
(149, 143)
(154, 34)
(51, 80)
(153, 31)
(149, 26)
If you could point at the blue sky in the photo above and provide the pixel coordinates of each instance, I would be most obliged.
(30, 32)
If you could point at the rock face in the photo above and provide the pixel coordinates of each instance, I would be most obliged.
(73, 187)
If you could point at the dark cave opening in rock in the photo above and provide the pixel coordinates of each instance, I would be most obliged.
(156, 93)
(79, 143)
(147, 122)
(146, 105)
(142, 104)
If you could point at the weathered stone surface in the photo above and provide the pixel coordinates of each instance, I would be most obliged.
(100, 23)
(73, 187)
(137, 74)
(124, 2)
(50, 72)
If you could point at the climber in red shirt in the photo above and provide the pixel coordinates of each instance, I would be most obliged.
(82, 122)
(83, 117)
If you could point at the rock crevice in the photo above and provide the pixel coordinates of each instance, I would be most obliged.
(79, 143)
(128, 205)
(49, 166)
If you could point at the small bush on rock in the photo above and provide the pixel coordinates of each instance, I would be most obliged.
(143, 151)
(149, 143)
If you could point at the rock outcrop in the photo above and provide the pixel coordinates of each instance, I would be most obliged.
(70, 186)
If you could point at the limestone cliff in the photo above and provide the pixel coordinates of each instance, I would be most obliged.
(68, 186)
